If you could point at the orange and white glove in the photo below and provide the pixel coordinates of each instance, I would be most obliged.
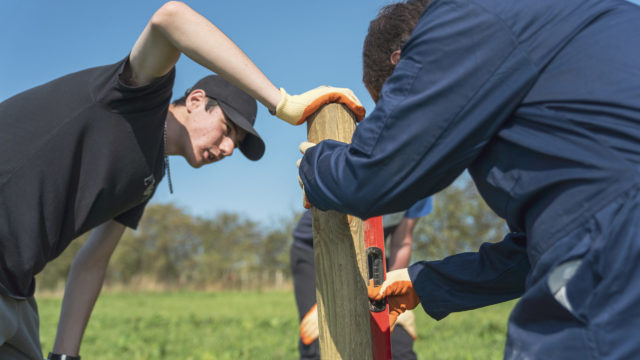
(304, 146)
(399, 291)
(295, 109)
(309, 326)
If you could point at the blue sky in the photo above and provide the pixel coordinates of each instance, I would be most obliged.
(298, 44)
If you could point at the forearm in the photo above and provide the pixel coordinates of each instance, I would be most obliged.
(83, 286)
(400, 245)
(338, 176)
(400, 258)
(466, 281)
(176, 28)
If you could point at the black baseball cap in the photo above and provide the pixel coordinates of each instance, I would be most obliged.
(238, 107)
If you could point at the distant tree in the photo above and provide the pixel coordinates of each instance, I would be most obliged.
(161, 250)
(228, 250)
(274, 250)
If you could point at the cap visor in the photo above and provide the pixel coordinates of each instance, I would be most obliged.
(252, 146)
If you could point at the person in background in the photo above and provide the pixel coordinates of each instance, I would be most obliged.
(398, 231)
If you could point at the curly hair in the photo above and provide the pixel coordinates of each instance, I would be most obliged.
(391, 28)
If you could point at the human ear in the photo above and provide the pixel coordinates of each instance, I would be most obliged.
(395, 57)
(195, 99)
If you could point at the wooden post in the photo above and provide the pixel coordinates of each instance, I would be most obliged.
(340, 259)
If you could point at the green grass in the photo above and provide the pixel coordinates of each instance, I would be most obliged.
(246, 325)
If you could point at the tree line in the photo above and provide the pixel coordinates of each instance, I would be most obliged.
(173, 249)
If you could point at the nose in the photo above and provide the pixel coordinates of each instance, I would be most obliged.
(227, 146)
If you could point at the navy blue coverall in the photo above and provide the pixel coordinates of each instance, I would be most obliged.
(540, 101)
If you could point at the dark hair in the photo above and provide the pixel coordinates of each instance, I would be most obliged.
(387, 33)
(211, 102)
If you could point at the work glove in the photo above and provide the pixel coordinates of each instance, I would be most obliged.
(304, 146)
(399, 291)
(295, 109)
(309, 326)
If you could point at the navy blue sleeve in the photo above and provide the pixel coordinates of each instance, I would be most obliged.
(496, 273)
(460, 76)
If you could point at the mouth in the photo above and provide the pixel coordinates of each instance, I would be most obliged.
(209, 157)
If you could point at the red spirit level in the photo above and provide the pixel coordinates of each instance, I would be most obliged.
(379, 310)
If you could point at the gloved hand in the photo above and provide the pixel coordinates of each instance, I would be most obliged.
(297, 108)
(399, 291)
(309, 326)
(304, 146)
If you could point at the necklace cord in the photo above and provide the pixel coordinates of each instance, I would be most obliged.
(167, 169)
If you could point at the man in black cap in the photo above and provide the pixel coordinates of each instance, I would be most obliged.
(87, 150)
(233, 110)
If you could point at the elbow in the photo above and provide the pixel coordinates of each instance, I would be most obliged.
(362, 205)
(360, 199)
(167, 13)
(87, 265)
(368, 204)
(84, 262)
(353, 204)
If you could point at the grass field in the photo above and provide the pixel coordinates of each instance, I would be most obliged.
(246, 325)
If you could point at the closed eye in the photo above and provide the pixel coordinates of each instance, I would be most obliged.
(231, 132)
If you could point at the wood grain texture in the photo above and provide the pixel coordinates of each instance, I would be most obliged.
(340, 259)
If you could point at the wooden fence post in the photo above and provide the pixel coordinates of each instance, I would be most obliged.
(340, 259)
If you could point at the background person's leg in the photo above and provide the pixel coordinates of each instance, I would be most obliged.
(304, 285)
(402, 344)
